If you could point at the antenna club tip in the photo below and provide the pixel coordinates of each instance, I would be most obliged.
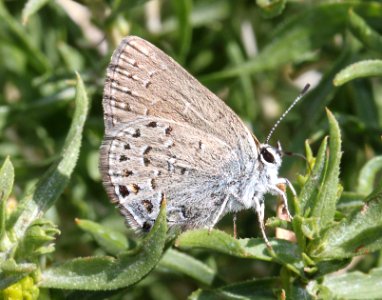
(305, 89)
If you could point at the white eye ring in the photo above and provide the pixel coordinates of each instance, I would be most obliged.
(267, 156)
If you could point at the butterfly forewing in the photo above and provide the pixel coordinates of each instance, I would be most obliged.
(142, 80)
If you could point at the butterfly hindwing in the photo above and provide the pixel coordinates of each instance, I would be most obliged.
(145, 161)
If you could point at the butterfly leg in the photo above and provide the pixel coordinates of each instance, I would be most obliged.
(234, 226)
(287, 183)
(220, 212)
(282, 194)
(260, 217)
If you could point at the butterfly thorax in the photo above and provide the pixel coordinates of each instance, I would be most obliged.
(261, 179)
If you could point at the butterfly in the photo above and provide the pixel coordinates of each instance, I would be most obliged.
(169, 137)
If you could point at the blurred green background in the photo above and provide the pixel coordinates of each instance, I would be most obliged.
(256, 58)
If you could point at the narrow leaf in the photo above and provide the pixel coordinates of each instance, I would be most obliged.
(364, 104)
(183, 10)
(325, 206)
(39, 61)
(325, 267)
(242, 97)
(296, 290)
(31, 7)
(271, 8)
(283, 251)
(215, 240)
(254, 289)
(185, 264)
(360, 69)
(316, 101)
(360, 233)
(108, 273)
(310, 189)
(367, 175)
(295, 41)
(110, 240)
(52, 184)
(355, 285)
(201, 15)
(6, 184)
(367, 35)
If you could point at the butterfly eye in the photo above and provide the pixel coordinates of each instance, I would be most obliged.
(268, 156)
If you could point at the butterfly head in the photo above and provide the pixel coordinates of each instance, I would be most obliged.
(270, 156)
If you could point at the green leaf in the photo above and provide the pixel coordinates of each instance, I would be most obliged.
(201, 15)
(54, 181)
(309, 227)
(183, 10)
(11, 272)
(71, 57)
(242, 98)
(6, 184)
(325, 207)
(31, 7)
(309, 192)
(112, 241)
(283, 251)
(329, 266)
(350, 201)
(367, 35)
(316, 101)
(366, 68)
(295, 41)
(309, 156)
(297, 290)
(271, 8)
(107, 273)
(261, 289)
(368, 174)
(364, 104)
(185, 264)
(358, 234)
(355, 285)
(39, 61)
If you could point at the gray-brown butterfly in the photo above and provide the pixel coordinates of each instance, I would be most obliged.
(167, 136)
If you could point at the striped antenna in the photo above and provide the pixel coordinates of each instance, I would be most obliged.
(302, 93)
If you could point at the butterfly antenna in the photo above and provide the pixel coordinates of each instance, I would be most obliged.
(300, 156)
(302, 93)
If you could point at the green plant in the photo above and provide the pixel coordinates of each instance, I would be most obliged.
(46, 253)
